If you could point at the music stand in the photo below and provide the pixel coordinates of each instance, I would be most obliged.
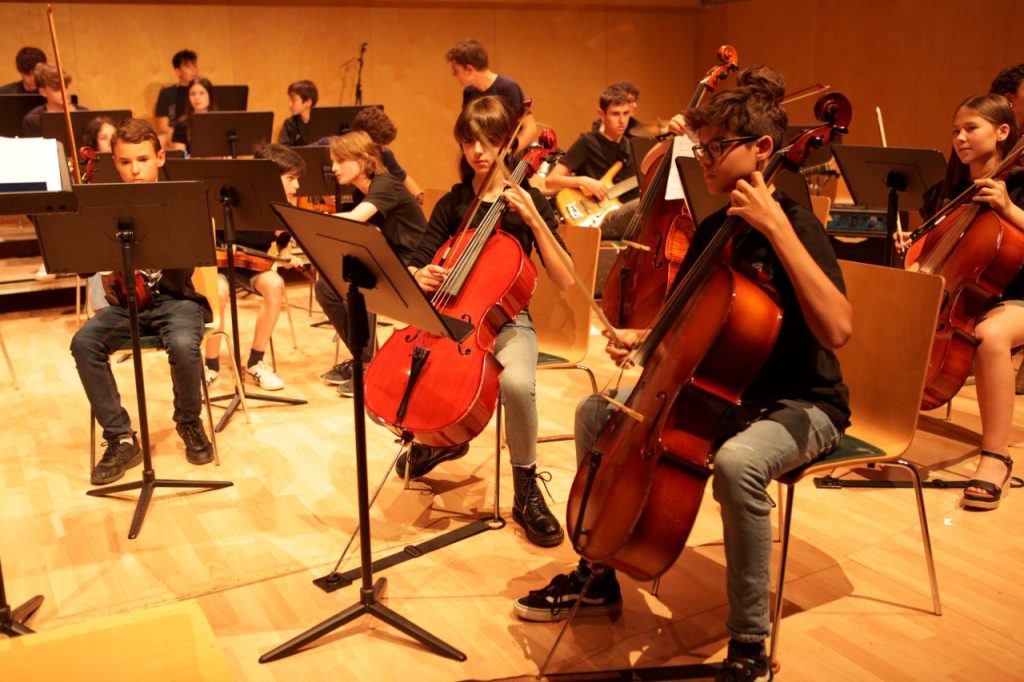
(223, 133)
(32, 198)
(360, 265)
(319, 179)
(54, 125)
(228, 97)
(240, 191)
(328, 121)
(877, 175)
(128, 227)
(12, 112)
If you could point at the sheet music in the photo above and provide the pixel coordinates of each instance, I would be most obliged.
(682, 145)
(29, 160)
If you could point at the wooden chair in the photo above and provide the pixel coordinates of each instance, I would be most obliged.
(821, 206)
(562, 318)
(205, 281)
(884, 366)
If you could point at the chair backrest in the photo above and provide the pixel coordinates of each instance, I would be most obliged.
(885, 362)
(431, 195)
(821, 206)
(562, 318)
(205, 281)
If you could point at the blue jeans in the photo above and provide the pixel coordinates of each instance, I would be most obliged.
(761, 442)
(178, 322)
(516, 349)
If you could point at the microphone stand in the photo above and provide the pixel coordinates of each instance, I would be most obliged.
(359, 75)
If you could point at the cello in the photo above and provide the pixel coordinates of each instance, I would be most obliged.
(977, 253)
(659, 232)
(440, 392)
(637, 493)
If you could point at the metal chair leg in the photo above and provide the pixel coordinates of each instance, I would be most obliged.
(655, 586)
(238, 374)
(291, 324)
(925, 535)
(777, 616)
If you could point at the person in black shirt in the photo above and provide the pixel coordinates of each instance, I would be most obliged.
(200, 100)
(381, 200)
(471, 68)
(265, 282)
(984, 132)
(25, 61)
(48, 85)
(186, 68)
(633, 97)
(516, 343)
(382, 131)
(795, 409)
(593, 154)
(302, 97)
(177, 313)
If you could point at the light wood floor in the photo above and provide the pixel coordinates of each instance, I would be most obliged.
(858, 606)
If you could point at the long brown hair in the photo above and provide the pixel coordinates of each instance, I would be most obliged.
(357, 145)
(488, 116)
(997, 111)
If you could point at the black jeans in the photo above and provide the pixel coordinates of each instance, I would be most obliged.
(337, 312)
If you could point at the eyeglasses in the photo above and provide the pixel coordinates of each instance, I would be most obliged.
(715, 149)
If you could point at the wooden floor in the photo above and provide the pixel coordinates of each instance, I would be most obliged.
(858, 606)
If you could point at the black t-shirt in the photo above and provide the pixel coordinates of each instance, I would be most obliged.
(294, 132)
(934, 200)
(503, 87)
(451, 209)
(32, 124)
(798, 367)
(167, 101)
(633, 123)
(391, 163)
(398, 215)
(592, 154)
(16, 88)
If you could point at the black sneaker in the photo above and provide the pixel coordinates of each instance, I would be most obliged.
(122, 453)
(198, 449)
(744, 669)
(556, 600)
(346, 388)
(339, 373)
(425, 458)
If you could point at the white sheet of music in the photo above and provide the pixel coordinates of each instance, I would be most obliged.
(30, 160)
(682, 145)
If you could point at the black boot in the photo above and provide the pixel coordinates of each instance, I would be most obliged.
(531, 512)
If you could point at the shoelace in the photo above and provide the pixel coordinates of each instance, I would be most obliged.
(543, 477)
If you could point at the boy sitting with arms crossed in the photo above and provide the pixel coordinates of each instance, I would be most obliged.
(794, 410)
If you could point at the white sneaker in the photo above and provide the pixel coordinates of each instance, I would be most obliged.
(264, 376)
(210, 375)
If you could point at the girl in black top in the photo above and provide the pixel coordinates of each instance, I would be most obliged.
(984, 131)
(200, 100)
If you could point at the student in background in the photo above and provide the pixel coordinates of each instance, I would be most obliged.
(382, 131)
(48, 84)
(25, 61)
(302, 97)
(186, 68)
(200, 100)
(98, 134)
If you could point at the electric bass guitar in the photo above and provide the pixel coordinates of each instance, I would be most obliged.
(583, 210)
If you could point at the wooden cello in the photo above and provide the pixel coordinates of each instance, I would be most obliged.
(634, 499)
(659, 232)
(978, 254)
(436, 391)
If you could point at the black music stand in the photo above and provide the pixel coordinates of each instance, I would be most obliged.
(105, 172)
(328, 121)
(30, 197)
(319, 179)
(12, 112)
(126, 227)
(877, 175)
(228, 97)
(54, 125)
(241, 191)
(228, 133)
(360, 265)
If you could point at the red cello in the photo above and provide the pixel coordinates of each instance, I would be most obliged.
(634, 499)
(442, 393)
(638, 281)
(978, 254)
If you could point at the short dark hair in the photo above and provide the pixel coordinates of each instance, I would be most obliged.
(135, 131)
(182, 56)
(627, 88)
(613, 96)
(285, 158)
(469, 52)
(1008, 80)
(744, 110)
(27, 58)
(305, 90)
(766, 77)
(376, 124)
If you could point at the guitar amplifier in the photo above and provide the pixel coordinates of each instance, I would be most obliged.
(860, 234)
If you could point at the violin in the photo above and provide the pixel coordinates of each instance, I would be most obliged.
(977, 253)
(441, 392)
(659, 233)
(636, 496)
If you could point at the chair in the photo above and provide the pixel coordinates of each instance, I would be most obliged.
(10, 366)
(205, 281)
(884, 366)
(562, 318)
(821, 206)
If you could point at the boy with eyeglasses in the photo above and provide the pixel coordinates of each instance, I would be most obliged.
(795, 409)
